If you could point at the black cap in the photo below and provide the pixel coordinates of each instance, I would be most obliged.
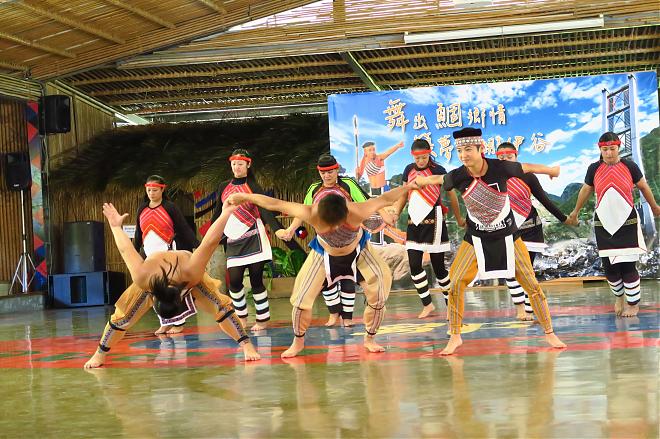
(367, 144)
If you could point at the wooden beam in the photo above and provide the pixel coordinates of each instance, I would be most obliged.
(42, 47)
(359, 70)
(431, 51)
(142, 13)
(160, 38)
(507, 62)
(11, 65)
(527, 73)
(217, 6)
(260, 102)
(71, 22)
(221, 84)
(211, 73)
(246, 94)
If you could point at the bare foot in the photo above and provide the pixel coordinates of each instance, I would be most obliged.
(630, 310)
(295, 348)
(97, 360)
(175, 329)
(455, 341)
(371, 345)
(523, 315)
(332, 320)
(428, 309)
(347, 323)
(259, 326)
(243, 321)
(554, 341)
(618, 306)
(249, 352)
(163, 329)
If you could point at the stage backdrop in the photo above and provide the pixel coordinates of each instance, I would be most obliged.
(552, 122)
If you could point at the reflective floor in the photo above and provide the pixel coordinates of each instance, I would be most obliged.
(504, 382)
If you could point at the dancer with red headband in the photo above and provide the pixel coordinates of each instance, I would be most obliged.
(427, 229)
(245, 240)
(340, 250)
(528, 222)
(339, 297)
(488, 248)
(162, 227)
(616, 223)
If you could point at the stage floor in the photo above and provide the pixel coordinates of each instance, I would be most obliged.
(504, 382)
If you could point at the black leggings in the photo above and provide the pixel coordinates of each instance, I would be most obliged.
(437, 262)
(256, 271)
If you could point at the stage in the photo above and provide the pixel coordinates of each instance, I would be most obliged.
(504, 381)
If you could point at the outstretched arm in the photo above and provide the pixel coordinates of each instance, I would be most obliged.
(297, 210)
(194, 269)
(585, 192)
(390, 151)
(644, 188)
(365, 209)
(128, 253)
(552, 171)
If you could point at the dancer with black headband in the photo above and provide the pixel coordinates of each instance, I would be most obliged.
(161, 226)
(340, 250)
(488, 248)
(339, 297)
(427, 229)
(245, 240)
(616, 223)
(528, 222)
(174, 282)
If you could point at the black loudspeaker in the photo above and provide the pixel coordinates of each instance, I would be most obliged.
(17, 170)
(54, 114)
(84, 248)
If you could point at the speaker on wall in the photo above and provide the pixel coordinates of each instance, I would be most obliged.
(54, 114)
(17, 172)
(84, 248)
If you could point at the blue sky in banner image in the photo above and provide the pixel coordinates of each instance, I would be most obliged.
(555, 121)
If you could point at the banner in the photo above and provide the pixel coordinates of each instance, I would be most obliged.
(551, 122)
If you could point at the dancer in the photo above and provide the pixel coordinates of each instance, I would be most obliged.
(528, 223)
(427, 230)
(174, 282)
(162, 227)
(341, 250)
(616, 223)
(488, 247)
(339, 297)
(246, 242)
(374, 164)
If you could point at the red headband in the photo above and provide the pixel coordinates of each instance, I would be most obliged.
(420, 152)
(609, 143)
(506, 151)
(154, 184)
(240, 157)
(328, 168)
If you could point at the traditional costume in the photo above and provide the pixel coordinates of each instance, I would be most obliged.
(163, 228)
(616, 223)
(246, 244)
(489, 247)
(427, 230)
(339, 297)
(528, 221)
(134, 302)
(344, 253)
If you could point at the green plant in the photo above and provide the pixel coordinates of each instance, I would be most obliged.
(288, 262)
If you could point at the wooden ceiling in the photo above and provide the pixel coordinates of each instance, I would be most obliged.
(158, 58)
